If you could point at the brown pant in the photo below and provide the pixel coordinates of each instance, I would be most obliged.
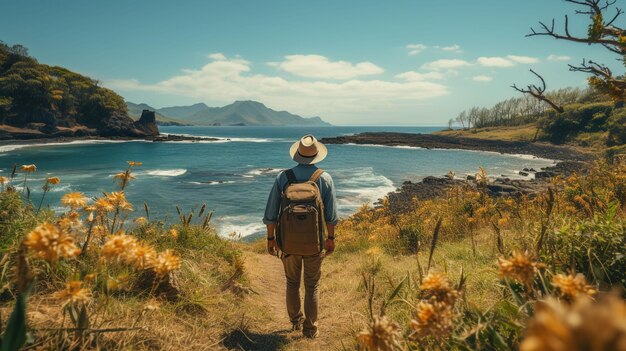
(312, 273)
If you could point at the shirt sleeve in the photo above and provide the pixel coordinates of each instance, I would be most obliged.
(330, 201)
(273, 204)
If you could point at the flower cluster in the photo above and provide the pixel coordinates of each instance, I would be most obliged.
(381, 334)
(51, 243)
(520, 267)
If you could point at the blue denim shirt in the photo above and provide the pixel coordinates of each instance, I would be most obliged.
(303, 173)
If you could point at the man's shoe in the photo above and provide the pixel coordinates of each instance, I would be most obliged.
(309, 334)
(295, 326)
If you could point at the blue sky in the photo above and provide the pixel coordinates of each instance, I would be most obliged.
(350, 62)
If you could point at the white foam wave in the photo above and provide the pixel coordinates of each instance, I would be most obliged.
(388, 146)
(240, 225)
(360, 186)
(221, 139)
(166, 172)
(261, 171)
(214, 182)
(12, 147)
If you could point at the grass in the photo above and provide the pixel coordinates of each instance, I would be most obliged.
(516, 133)
(496, 260)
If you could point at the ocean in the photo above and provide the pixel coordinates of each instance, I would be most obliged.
(234, 177)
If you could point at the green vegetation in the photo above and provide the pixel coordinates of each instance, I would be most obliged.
(93, 278)
(515, 262)
(50, 99)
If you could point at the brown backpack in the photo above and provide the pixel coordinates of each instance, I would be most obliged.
(301, 223)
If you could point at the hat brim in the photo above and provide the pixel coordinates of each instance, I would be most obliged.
(321, 154)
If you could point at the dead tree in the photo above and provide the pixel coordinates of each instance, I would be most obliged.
(538, 92)
(600, 32)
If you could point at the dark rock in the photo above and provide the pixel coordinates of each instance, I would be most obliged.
(543, 174)
(147, 123)
(470, 177)
(524, 173)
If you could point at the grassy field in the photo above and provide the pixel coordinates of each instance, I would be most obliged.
(462, 272)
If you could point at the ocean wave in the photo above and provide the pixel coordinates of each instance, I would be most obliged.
(12, 147)
(387, 146)
(213, 182)
(359, 186)
(240, 225)
(261, 171)
(165, 172)
(222, 139)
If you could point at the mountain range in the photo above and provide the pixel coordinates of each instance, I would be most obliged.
(249, 113)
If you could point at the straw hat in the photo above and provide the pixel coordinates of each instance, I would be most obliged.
(308, 150)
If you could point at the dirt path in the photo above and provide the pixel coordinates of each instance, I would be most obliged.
(268, 326)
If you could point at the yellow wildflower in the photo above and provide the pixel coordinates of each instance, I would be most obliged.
(53, 180)
(118, 198)
(103, 205)
(74, 200)
(520, 267)
(572, 286)
(140, 256)
(73, 292)
(373, 251)
(382, 334)
(49, 242)
(165, 262)
(433, 319)
(28, 168)
(174, 233)
(117, 246)
(134, 163)
(583, 325)
(3, 180)
(140, 220)
(436, 286)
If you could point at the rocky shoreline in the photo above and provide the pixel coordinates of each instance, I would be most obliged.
(437, 141)
(568, 160)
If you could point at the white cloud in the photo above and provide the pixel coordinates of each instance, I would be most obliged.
(482, 78)
(523, 59)
(452, 48)
(445, 64)
(223, 81)
(413, 76)
(559, 58)
(415, 49)
(508, 61)
(218, 56)
(495, 62)
(317, 66)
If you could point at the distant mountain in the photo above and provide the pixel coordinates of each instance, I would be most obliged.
(135, 110)
(249, 113)
(182, 112)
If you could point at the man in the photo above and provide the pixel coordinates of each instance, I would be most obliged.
(306, 152)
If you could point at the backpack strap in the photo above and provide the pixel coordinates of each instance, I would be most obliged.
(316, 175)
(291, 176)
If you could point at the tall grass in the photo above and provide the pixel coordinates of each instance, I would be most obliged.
(99, 270)
(556, 255)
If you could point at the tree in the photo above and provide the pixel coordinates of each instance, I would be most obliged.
(601, 31)
(538, 92)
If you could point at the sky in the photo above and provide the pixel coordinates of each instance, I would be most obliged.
(350, 62)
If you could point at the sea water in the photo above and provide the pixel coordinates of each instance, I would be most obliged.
(233, 177)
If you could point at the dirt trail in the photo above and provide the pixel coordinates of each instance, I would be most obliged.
(268, 328)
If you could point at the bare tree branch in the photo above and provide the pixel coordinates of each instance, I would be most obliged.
(538, 92)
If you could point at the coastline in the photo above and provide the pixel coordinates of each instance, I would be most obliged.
(567, 161)
(12, 144)
(437, 141)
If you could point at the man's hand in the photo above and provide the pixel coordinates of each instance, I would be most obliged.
(329, 246)
(272, 247)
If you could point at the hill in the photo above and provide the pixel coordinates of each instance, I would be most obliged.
(250, 113)
(135, 110)
(41, 101)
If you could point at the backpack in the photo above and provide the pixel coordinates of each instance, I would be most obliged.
(301, 223)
